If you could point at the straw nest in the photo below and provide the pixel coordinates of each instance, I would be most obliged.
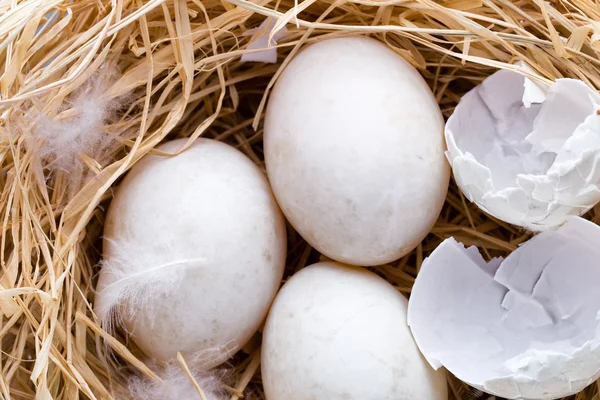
(174, 71)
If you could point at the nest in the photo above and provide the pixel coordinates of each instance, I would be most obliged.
(178, 74)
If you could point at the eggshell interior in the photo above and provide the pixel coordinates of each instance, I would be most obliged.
(524, 153)
(526, 327)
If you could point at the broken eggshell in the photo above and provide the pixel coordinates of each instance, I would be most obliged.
(260, 41)
(526, 327)
(527, 153)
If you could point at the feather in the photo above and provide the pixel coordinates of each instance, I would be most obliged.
(134, 275)
(80, 138)
(80, 126)
(175, 384)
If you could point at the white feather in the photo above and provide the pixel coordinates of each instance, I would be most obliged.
(135, 275)
(177, 385)
(80, 128)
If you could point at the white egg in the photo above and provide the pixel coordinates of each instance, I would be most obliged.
(527, 153)
(194, 252)
(526, 327)
(354, 150)
(340, 333)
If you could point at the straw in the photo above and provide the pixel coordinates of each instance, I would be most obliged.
(180, 72)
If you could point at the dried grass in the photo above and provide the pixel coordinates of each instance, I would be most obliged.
(182, 77)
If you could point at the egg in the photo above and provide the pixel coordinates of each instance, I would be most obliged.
(194, 252)
(524, 327)
(527, 153)
(337, 332)
(354, 149)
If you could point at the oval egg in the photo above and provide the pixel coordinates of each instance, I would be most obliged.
(354, 150)
(340, 333)
(194, 252)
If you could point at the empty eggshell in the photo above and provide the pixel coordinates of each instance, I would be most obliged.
(194, 252)
(355, 151)
(339, 333)
(526, 327)
(527, 153)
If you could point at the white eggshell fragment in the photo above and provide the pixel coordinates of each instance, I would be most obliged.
(263, 50)
(339, 333)
(527, 153)
(526, 327)
(355, 151)
(194, 252)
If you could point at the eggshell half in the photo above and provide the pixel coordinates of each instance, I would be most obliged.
(355, 151)
(194, 252)
(527, 154)
(526, 327)
(340, 333)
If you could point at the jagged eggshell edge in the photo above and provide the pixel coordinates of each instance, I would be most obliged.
(484, 322)
(536, 202)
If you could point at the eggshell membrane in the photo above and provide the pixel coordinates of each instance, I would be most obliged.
(339, 333)
(526, 327)
(526, 153)
(212, 206)
(354, 150)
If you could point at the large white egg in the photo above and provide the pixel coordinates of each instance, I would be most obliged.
(354, 149)
(194, 252)
(340, 333)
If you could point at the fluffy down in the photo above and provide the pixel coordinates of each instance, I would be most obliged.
(77, 139)
(177, 385)
(80, 128)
